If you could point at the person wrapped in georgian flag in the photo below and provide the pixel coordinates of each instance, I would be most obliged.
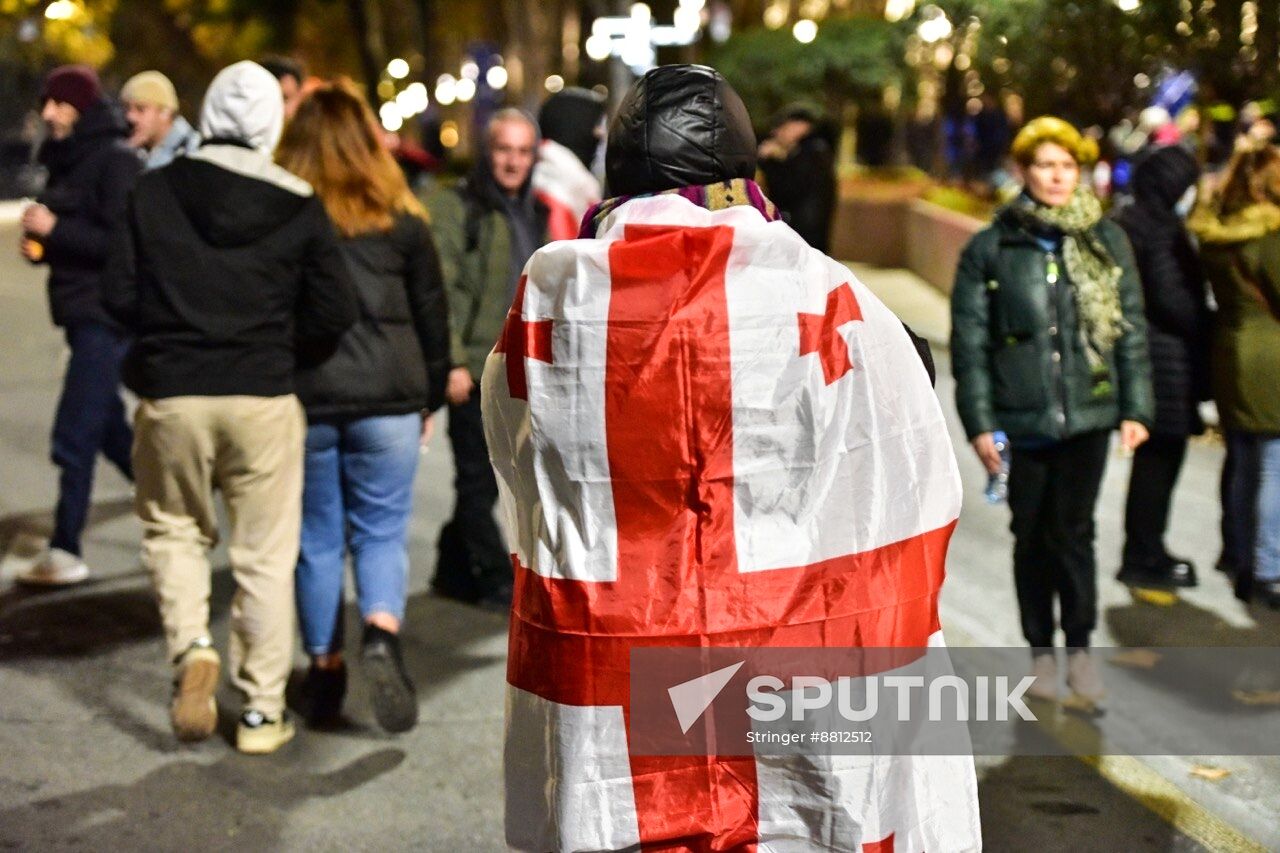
(571, 123)
(708, 434)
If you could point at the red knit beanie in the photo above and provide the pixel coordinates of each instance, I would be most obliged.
(76, 85)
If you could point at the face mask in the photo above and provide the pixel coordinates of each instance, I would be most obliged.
(1184, 204)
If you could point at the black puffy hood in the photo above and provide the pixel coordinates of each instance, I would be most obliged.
(570, 117)
(1162, 176)
(679, 126)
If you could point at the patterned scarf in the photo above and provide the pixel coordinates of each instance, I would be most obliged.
(717, 196)
(1091, 269)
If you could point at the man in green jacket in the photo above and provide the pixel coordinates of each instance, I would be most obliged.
(486, 229)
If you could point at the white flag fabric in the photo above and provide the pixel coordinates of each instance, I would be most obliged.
(706, 433)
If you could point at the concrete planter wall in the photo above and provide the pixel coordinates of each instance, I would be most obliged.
(934, 238)
(896, 228)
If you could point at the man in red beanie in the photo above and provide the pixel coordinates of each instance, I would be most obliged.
(91, 170)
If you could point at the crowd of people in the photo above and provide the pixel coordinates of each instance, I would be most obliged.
(290, 314)
(1067, 321)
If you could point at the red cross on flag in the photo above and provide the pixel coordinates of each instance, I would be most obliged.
(715, 436)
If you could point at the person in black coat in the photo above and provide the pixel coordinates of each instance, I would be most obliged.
(366, 404)
(798, 162)
(1178, 333)
(91, 170)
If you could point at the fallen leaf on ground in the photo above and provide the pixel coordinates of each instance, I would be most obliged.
(1256, 697)
(1137, 658)
(1213, 774)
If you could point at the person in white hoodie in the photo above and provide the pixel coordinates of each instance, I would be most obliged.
(572, 125)
(228, 273)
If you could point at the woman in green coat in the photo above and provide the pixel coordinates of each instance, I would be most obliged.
(1239, 233)
(1048, 345)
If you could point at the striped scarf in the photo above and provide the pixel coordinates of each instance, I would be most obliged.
(717, 196)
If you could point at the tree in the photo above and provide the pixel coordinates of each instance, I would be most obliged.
(851, 60)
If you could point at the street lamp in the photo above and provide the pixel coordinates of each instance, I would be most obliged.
(935, 27)
(398, 68)
(805, 31)
(446, 90)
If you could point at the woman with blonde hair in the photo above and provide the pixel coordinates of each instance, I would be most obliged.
(1049, 345)
(365, 403)
(1239, 232)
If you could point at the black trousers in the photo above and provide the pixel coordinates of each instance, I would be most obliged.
(1052, 494)
(1156, 465)
(473, 556)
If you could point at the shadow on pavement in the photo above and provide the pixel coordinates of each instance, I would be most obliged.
(39, 522)
(237, 803)
(1051, 803)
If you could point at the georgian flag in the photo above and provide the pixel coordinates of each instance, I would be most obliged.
(708, 434)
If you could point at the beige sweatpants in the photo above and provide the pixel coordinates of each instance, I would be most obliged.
(250, 448)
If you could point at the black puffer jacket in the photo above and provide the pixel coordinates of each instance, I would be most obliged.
(90, 175)
(1178, 318)
(394, 359)
(804, 188)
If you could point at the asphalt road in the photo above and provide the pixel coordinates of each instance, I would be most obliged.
(87, 760)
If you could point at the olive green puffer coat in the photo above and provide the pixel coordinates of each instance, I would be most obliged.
(1016, 349)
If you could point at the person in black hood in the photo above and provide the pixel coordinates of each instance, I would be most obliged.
(228, 271)
(486, 230)
(798, 162)
(91, 169)
(572, 124)
(1178, 336)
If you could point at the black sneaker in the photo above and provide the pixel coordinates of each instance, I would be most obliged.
(322, 693)
(395, 702)
(1175, 574)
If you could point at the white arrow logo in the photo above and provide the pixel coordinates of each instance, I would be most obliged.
(693, 697)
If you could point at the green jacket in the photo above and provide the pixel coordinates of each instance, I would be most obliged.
(1016, 349)
(477, 272)
(1241, 257)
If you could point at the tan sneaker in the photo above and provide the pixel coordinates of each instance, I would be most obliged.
(56, 568)
(193, 710)
(1044, 669)
(258, 734)
(1085, 681)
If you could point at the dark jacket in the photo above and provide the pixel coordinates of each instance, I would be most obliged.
(803, 186)
(474, 237)
(394, 359)
(90, 174)
(1173, 287)
(1016, 349)
(1241, 256)
(228, 269)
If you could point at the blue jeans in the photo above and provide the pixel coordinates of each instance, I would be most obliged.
(90, 420)
(357, 495)
(1253, 504)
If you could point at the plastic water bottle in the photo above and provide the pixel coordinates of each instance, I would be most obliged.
(998, 483)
